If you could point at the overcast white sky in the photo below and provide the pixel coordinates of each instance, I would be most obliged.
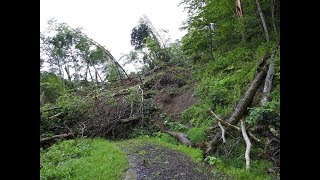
(110, 22)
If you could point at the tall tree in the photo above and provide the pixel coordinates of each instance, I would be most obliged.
(68, 50)
(263, 21)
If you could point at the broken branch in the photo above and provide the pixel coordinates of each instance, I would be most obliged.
(56, 136)
(233, 126)
(222, 131)
(130, 119)
(248, 144)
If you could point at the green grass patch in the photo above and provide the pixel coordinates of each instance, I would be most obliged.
(257, 169)
(197, 135)
(83, 159)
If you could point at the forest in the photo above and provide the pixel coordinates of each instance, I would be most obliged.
(206, 106)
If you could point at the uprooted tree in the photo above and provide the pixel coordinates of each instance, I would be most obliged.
(264, 74)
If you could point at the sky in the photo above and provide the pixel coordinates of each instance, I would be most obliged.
(109, 22)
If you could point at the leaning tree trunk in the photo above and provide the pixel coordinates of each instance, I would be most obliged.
(248, 144)
(66, 68)
(267, 84)
(272, 17)
(86, 74)
(263, 20)
(268, 81)
(241, 107)
(97, 74)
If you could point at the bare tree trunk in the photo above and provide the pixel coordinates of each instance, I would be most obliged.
(263, 20)
(55, 136)
(97, 74)
(223, 132)
(86, 74)
(141, 105)
(90, 74)
(272, 17)
(61, 75)
(267, 84)
(245, 101)
(183, 139)
(268, 81)
(248, 144)
(66, 68)
(130, 119)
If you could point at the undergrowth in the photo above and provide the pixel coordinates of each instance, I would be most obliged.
(82, 159)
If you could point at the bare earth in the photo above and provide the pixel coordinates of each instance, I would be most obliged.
(149, 161)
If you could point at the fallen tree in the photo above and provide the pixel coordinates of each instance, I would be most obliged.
(244, 102)
(181, 137)
(130, 119)
(244, 134)
(230, 126)
(268, 81)
(56, 136)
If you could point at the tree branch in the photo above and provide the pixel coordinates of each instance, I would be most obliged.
(248, 144)
(223, 132)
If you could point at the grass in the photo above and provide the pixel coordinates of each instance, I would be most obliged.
(102, 159)
(197, 135)
(234, 163)
(83, 159)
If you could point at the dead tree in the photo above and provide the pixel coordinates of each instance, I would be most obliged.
(181, 137)
(268, 81)
(241, 107)
(56, 136)
(248, 144)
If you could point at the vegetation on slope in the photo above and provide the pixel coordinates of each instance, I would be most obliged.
(217, 60)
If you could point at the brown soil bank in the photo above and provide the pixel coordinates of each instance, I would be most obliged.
(175, 104)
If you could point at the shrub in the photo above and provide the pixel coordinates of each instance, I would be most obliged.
(269, 113)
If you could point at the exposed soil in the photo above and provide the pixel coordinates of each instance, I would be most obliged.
(175, 104)
(149, 161)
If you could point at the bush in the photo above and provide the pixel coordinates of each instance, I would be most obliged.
(269, 113)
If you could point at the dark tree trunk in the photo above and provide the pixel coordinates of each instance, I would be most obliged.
(241, 107)
(86, 74)
(68, 73)
(90, 73)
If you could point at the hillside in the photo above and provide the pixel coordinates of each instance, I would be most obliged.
(206, 107)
